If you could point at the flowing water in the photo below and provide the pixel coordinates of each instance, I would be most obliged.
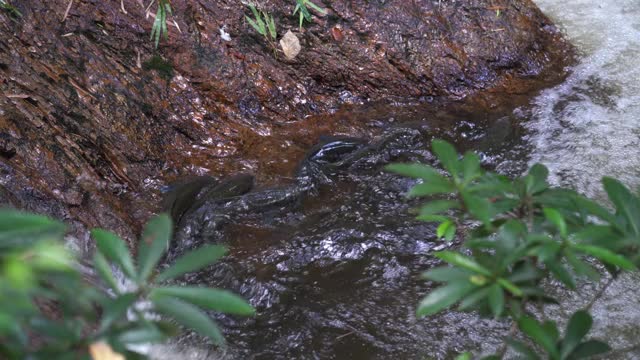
(337, 275)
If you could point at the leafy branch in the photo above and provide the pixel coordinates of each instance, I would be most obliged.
(524, 233)
(38, 273)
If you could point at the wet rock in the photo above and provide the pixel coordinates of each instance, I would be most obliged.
(89, 105)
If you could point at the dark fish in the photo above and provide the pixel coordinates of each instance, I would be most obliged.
(182, 194)
(332, 149)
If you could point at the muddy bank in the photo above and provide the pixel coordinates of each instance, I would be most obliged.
(93, 120)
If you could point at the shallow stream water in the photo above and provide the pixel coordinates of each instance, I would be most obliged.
(337, 277)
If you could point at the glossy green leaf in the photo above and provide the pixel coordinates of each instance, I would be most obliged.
(474, 298)
(446, 274)
(444, 297)
(606, 256)
(465, 356)
(537, 333)
(479, 207)
(103, 269)
(432, 218)
(561, 273)
(588, 349)
(155, 240)
(316, 7)
(462, 261)
(188, 316)
(522, 349)
(18, 229)
(438, 206)
(431, 188)
(556, 219)
(446, 230)
(537, 179)
(116, 309)
(447, 155)
(626, 203)
(578, 327)
(470, 167)
(142, 335)
(581, 267)
(525, 272)
(209, 298)
(509, 286)
(115, 250)
(496, 300)
(417, 171)
(192, 261)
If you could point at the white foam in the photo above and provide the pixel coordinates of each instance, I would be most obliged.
(589, 126)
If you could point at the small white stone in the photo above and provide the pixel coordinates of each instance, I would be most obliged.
(290, 45)
(224, 34)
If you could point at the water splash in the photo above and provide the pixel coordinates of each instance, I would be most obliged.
(588, 127)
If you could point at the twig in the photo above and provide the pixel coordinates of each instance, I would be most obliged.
(503, 348)
(122, 7)
(66, 13)
(344, 335)
(600, 293)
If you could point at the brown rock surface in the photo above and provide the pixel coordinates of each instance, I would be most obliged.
(93, 120)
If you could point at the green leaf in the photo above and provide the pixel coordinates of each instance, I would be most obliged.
(103, 269)
(62, 331)
(470, 167)
(561, 273)
(18, 229)
(556, 219)
(462, 261)
(209, 298)
(142, 335)
(444, 297)
(253, 24)
(593, 208)
(589, 349)
(155, 240)
(447, 155)
(496, 300)
(115, 250)
(509, 286)
(465, 356)
(416, 171)
(626, 203)
(606, 256)
(438, 206)
(580, 267)
(474, 298)
(192, 261)
(116, 309)
(432, 218)
(578, 327)
(446, 274)
(446, 230)
(272, 26)
(524, 273)
(479, 207)
(434, 182)
(316, 7)
(522, 349)
(548, 252)
(537, 179)
(188, 316)
(536, 332)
